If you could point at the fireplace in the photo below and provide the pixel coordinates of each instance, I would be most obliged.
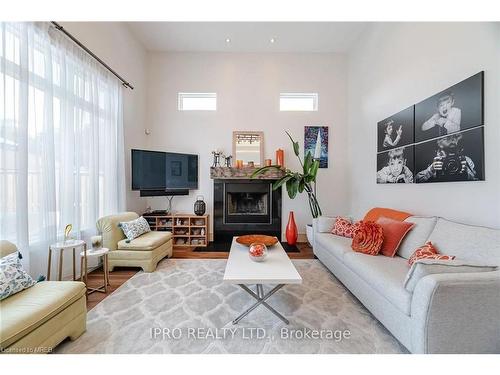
(246, 206)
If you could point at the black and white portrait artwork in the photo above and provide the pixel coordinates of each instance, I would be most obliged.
(396, 131)
(396, 165)
(455, 157)
(457, 108)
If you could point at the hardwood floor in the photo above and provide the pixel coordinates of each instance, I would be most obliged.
(121, 274)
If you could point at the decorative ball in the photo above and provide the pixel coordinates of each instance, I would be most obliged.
(257, 252)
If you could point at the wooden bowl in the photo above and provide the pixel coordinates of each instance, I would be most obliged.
(249, 239)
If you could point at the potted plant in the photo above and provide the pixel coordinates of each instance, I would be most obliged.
(299, 182)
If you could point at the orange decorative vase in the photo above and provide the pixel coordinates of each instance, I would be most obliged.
(280, 157)
(291, 230)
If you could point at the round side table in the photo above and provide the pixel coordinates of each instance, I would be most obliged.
(61, 246)
(100, 252)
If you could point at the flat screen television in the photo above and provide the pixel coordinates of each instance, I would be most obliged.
(164, 171)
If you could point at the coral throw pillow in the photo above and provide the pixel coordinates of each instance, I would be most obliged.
(344, 227)
(428, 251)
(394, 232)
(368, 238)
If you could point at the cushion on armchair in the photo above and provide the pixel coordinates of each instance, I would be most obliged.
(134, 228)
(148, 241)
(13, 278)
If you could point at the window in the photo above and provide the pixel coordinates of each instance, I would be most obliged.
(201, 101)
(298, 101)
(60, 138)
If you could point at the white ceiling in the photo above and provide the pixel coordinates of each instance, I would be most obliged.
(247, 36)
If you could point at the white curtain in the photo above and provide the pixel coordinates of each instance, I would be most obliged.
(61, 140)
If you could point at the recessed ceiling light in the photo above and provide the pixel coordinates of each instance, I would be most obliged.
(272, 40)
(228, 40)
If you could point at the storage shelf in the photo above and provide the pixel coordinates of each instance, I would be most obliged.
(157, 222)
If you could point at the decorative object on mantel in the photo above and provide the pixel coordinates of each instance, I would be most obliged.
(249, 146)
(244, 173)
(280, 158)
(298, 182)
(239, 164)
(250, 164)
(268, 162)
(217, 155)
(227, 160)
(199, 206)
(291, 230)
(249, 239)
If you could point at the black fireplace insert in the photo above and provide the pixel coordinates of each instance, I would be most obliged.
(246, 207)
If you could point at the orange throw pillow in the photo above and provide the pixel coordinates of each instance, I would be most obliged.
(428, 251)
(368, 238)
(375, 213)
(394, 232)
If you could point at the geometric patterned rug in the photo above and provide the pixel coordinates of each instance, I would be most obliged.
(184, 307)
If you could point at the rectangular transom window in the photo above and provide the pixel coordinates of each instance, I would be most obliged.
(197, 101)
(299, 101)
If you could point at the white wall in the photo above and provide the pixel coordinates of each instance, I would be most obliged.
(117, 47)
(248, 87)
(395, 65)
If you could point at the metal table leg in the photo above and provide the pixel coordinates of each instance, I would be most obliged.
(261, 298)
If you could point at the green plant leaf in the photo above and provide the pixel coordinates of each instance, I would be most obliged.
(262, 170)
(277, 184)
(296, 149)
(292, 188)
(302, 184)
(314, 170)
(308, 162)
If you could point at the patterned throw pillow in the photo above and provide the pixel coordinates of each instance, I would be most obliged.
(13, 278)
(428, 251)
(344, 227)
(134, 228)
(368, 238)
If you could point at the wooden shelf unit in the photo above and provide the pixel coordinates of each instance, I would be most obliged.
(184, 227)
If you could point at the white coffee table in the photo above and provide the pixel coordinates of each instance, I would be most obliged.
(277, 269)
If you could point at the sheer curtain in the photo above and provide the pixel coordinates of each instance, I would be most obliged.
(61, 140)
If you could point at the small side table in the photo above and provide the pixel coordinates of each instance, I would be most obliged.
(103, 251)
(61, 246)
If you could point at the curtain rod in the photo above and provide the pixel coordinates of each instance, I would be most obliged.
(77, 42)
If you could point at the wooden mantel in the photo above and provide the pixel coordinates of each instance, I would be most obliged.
(243, 173)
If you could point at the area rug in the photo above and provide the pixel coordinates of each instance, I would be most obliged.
(184, 307)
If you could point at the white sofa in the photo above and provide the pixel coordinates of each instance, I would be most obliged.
(446, 313)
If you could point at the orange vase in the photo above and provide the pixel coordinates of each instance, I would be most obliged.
(291, 230)
(280, 157)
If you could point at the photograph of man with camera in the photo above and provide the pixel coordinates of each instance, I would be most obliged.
(451, 160)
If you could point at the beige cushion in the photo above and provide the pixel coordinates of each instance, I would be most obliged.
(148, 241)
(6, 248)
(108, 227)
(29, 309)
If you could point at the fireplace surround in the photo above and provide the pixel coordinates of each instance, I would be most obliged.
(246, 206)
